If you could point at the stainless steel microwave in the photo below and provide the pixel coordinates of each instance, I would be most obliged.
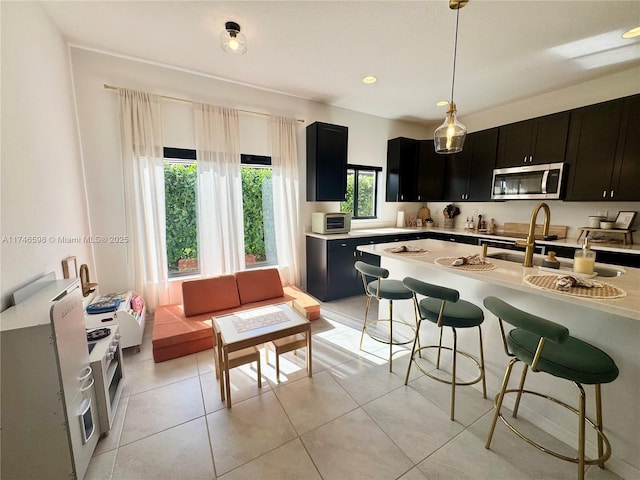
(530, 182)
(322, 222)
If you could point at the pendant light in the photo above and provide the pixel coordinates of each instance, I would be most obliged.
(231, 40)
(449, 137)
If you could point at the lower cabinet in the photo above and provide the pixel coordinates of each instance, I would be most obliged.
(330, 268)
(330, 264)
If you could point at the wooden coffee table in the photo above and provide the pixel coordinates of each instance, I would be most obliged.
(255, 327)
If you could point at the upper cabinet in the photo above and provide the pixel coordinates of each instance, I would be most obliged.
(468, 174)
(326, 162)
(536, 141)
(604, 151)
(414, 171)
(627, 165)
(430, 172)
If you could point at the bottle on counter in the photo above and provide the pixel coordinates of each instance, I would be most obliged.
(472, 225)
(584, 260)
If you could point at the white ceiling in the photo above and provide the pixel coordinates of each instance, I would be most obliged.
(320, 50)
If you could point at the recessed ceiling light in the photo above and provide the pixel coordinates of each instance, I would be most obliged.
(370, 79)
(634, 32)
(442, 103)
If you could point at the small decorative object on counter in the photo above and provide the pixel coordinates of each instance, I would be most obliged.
(492, 226)
(551, 261)
(584, 260)
(449, 212)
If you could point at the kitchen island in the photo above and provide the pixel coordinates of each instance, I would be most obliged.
(611, 324)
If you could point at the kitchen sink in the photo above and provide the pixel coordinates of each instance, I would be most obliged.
(565, 266)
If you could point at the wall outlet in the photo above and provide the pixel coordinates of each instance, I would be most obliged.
(475, 212)
(603, 214)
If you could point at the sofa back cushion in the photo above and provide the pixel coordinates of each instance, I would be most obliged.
(209, 295)
(257, 285)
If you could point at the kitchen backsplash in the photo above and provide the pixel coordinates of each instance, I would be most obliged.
(572, 214)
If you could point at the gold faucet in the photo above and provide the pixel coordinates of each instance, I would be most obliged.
(531, 238)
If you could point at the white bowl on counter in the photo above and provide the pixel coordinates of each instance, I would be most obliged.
(606, 225)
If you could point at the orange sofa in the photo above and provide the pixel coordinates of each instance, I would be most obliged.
(180, 330)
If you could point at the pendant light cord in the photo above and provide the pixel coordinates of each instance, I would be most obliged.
(455, 52)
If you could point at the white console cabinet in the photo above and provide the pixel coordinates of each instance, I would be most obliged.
(130, 323)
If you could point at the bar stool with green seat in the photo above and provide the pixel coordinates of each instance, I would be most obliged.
(383, 288)
(547, 347)
(443, 307)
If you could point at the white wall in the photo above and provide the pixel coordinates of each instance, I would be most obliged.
(99, 129)
(42, 188)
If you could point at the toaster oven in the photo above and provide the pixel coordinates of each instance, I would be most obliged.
(323, 222)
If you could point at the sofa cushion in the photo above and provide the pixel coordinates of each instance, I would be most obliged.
(210, 294)
(257, 285)
(181, 332)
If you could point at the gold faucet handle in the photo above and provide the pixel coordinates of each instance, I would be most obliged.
(523, 243)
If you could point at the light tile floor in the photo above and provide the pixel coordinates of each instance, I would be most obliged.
(352, 419)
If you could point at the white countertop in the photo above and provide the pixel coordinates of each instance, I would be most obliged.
(511, 275)
(567, 242)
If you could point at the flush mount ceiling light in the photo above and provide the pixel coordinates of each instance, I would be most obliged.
(449, 137)
(369, 79)
(231, 40)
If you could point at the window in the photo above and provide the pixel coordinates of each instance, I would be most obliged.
(362, 191)
(257, 205)
(180, 182)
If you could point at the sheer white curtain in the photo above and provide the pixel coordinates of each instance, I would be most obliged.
(286, 197)
(142, 157)
(220, 215)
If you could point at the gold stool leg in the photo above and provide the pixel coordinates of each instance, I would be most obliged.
(581, 434)
(499, 399)
(484, 380)
(520, 388)
(439, 349)
(599, 423)
(391, 335)
(453, 374)
(366, 314)
(416, 338)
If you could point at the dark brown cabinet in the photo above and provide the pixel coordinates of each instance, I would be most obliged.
(330, 264)
(330, 268)
(626, 170)
(591, 151)
(468, 174)
(414, 171)
(326, 162)
(536, 141)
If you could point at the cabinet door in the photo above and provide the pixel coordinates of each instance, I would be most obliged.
(536, 141)
(430, 172)
(456, 173)
(550, 138)
(468, 174)
(591, 150)
(484, 147)
(514, 145)
(402, 170)
(342, 278)
(326, 162)
(317, 267)
(627, 167)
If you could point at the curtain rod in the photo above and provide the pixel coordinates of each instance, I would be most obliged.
(177, 99)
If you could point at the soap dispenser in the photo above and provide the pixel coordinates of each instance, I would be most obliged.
(584, 260)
